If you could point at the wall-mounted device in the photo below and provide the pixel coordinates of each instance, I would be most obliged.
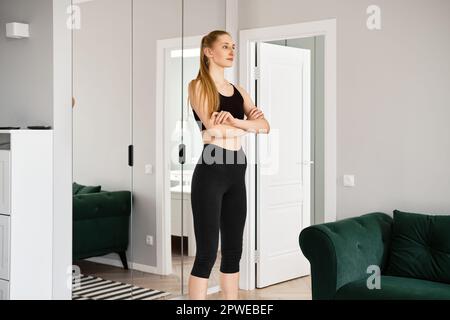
(17, 30)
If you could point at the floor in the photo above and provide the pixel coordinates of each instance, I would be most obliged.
(297, 289)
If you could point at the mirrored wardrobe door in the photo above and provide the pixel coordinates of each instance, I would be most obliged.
(167, 128)
(199, 19)
(102, 127)
(155, 236)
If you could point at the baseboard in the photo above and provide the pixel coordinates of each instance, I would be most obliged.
(117, 263)
(144, 268)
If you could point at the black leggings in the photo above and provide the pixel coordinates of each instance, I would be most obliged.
(219, 202)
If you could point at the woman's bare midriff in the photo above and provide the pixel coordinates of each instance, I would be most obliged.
(225, 143)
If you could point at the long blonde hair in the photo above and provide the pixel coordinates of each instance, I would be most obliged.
(209, 92)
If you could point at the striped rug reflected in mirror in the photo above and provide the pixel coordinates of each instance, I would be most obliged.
(86, 287)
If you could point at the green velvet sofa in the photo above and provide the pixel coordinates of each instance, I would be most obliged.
(101, 221)
(379, 257)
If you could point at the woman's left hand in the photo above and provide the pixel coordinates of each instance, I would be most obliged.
(224, 117)
(255, 114)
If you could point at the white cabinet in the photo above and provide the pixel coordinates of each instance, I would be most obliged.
(26, 214)
(5, 192)
(4, 290)
(188, 225)
(4, 248)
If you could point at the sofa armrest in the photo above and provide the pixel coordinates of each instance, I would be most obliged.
(101, 204)
(340, 252)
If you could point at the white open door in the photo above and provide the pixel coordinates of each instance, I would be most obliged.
(284, 162)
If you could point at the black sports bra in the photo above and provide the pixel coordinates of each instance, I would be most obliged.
(233, 104)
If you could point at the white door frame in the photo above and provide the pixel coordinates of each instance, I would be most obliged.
(163, 219)
(248, 37)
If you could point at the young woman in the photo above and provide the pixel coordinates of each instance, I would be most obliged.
(218, 192)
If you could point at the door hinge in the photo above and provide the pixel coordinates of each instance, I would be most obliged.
(257, 256)
(130, 155)
(256, 73)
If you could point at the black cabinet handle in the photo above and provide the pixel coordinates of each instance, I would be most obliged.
(130, 155)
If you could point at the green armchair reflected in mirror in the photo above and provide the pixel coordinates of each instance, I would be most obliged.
(101, 222)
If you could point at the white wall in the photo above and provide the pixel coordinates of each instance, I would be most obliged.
(26, 65)
(393, 97)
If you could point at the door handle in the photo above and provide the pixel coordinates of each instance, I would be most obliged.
(182, 153)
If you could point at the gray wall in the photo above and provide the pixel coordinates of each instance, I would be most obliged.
(26, 65)
(392, 99)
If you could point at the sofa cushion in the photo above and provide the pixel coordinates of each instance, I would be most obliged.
(81, 189)
(76, 188)
(395, 288)
(420, 247)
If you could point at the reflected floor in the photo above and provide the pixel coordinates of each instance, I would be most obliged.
(170, 283)
(297, 289)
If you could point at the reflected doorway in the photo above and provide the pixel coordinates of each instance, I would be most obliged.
(177, 247)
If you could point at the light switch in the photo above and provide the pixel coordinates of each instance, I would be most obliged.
(349, 180)
(148, 169)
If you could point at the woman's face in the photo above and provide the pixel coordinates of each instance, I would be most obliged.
(222, 52)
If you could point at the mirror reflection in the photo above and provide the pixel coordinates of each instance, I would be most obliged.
(115, 234)
(102, 184)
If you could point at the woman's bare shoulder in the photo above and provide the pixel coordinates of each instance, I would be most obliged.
(196, 96)
(242, 91)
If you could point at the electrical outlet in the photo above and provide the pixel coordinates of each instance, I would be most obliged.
(149, 240)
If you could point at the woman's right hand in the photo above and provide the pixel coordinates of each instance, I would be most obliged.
(223, 117)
